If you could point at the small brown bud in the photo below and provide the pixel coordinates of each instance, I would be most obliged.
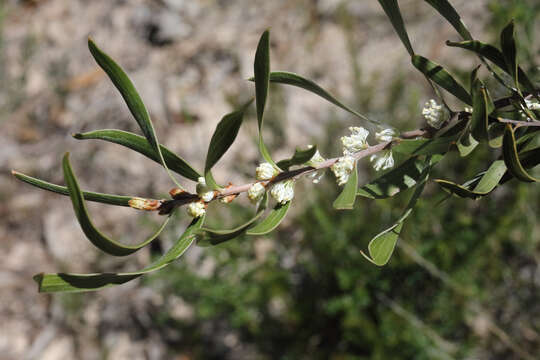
(227, 199)
(176, 193)
(144, 204)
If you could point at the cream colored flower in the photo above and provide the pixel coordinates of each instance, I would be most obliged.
(385, 135)
(315, 161)
(343, 168)
(383, 160)
(283, 191)
(204, 192)
(435, 114)
(196, 209)
(255, 192)
(356, 141)
(265, 171)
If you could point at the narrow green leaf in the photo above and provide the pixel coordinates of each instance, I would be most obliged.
(382, 245)
(450, 14)
(466, 144)
(345, 200)
(400, 178)
(391, 8)
(102, 242)
(439, 145)
(485, 182)
(141, 145)
(511, 158)
(223, 137)
(134, 102)
(495, 56)
(88, 195)
(271, 221)
(441, 77)
(300, 157)
(63, 282)
(261, 70)
(208, 236)
(482, 107)
(508, 46)
(293, 79)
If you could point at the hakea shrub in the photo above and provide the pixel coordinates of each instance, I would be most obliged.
(509, 123)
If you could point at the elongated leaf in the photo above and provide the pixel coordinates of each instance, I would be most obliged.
(293, 79)
(141, 145)
(441, 77)
(391, 8)
(134, 102)
(511, 158)
(494, 55)
(63, 282)
(450, 14)
(487, 182)
(401, 178)
(261, 69)
(223, 137)
(382, 245)
(102, 242)
(466, 144)
(345, 200)
(208, 236)
(482, 107)
(88, 195)
(508, 46)
(300, 157)
(277, 214)
(439, 145)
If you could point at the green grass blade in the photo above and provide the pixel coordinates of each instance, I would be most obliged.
(141, 145)
(88, 195)
(132, 98)
(347, 197)
(63, 282)
(441, 77)
(102, 242)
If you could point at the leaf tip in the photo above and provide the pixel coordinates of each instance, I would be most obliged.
(77, 136)
(38, 278)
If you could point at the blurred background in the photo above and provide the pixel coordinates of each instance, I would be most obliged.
(463, 283)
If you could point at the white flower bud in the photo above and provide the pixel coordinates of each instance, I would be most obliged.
(316, 159)
(532, 104)
(468, 109)
(385, 135)
(434, 114)
(343, 168)
(255, 192)
(283, 191)
(265, 171)
(383, 160)
(356, 141)
(196, 209)
(203, 190)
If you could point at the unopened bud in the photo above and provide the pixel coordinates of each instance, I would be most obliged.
(196, 209)
(177, 193)
(144, 204)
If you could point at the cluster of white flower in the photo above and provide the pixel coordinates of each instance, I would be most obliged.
(383, 160)
(385, 135)
(255, 192)
(355, 142)
(531, 105)
(315, 161)
(283, 191)
(265, 171)
(196, 209)
(435, 114)
(203, 190)
(342, 168)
